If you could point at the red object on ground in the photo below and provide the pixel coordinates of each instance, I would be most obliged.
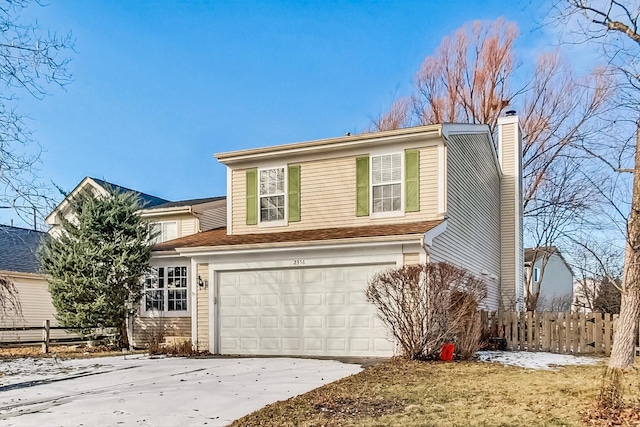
(446, 352)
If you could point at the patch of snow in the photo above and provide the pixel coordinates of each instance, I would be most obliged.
(536, 360)
(147, 391)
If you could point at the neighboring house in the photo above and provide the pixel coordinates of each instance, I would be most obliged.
(161, 313)
(308, 224)
(549, 274)
(19, 264)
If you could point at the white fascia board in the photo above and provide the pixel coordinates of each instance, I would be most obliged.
(301, 246)
(327, 145)
(434, 232)
(150, 212)
(63, 204)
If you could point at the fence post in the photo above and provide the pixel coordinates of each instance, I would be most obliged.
(45, 336)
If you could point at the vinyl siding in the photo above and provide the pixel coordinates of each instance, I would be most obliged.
(511, 244)
(203, 309)
(557, 280)
(213, 218)
(328, 189)
(188, 227)
(472, 238)
(36, 307)
(187, 223)
(412, 258)
(145, 328)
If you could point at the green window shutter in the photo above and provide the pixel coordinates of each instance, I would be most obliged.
(362, 186)
(252, 197)
(412, 180)
(294, 193)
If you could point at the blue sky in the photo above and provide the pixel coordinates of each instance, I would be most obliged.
(160, 86)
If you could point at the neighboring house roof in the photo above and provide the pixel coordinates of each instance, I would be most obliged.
(147, 200)
(190, 202)
(539, 252)
(530, 253)
(219, 237)
(18, 249)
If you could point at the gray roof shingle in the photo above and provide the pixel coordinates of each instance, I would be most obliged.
(18, 249)
(147, 200)
(189, 202)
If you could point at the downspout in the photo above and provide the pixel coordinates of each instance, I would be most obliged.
(426, 240)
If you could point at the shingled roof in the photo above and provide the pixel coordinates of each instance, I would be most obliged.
(219, 237)
(189, 202)
(147, 200)
(18, 249)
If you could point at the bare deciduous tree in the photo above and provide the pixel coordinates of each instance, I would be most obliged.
(30, 61)
(472, 77)
(612, 26)
(9, 300)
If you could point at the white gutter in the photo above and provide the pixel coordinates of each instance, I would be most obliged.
(426, 241)
(155, 212)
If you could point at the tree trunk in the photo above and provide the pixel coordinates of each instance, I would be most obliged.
(624, 339)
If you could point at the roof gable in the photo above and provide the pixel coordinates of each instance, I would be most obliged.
(147, 200)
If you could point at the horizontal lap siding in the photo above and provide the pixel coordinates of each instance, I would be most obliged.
(203, 309)
(508, 213)
(145, 328)
(472, 238)
(328, 189)
(187, 227)
(36, 307)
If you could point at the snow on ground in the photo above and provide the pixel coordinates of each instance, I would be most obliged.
(535, 360)
(145, 391)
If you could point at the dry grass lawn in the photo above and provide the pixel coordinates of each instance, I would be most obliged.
(446, 394)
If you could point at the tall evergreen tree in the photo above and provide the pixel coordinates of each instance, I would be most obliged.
(96, 265)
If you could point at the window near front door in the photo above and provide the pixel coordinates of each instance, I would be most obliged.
(165, 289)
(386, 183)
(165, 230)
(272, 196)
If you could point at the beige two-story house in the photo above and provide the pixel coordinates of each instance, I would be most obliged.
(309, 223)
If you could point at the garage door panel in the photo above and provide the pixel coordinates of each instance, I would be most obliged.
(311, 311)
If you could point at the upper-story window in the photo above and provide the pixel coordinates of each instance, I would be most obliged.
(165, 290)
(272, 194)
(536, 274)
(165, 230)
(386, 183)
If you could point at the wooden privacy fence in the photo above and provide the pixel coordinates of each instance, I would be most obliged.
(573, 333)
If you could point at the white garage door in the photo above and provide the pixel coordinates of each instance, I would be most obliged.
(302, 311)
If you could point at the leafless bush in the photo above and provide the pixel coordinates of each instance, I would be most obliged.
(424, 306)
(155, 343)
(9, 299)
(181, 349)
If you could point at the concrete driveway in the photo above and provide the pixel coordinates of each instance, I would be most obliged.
(142, 391)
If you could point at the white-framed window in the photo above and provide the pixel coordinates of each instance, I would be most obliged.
(165, 230)
(166, 290)
(271, 185)
(536, 274)
(386, 183)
